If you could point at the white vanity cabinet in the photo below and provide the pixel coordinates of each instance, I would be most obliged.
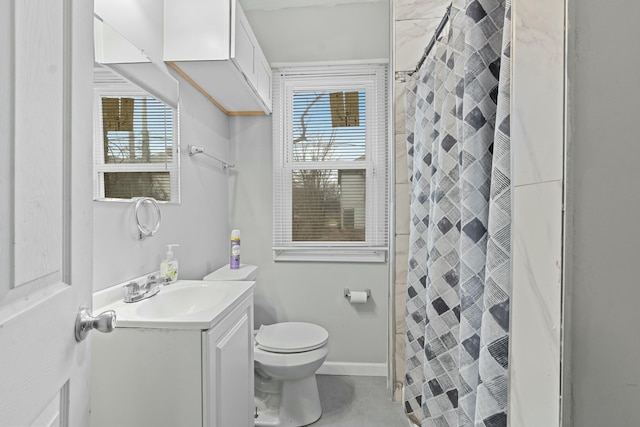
(212, 44)
(168, 377)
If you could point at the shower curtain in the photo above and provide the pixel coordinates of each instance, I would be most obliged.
(459, 277)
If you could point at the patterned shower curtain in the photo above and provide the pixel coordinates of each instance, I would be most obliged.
(459, 279)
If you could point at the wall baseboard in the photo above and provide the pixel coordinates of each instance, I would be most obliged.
(349, 368)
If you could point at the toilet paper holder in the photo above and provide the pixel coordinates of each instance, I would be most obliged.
(347, 293)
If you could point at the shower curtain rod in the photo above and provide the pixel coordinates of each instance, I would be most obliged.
(437, 33)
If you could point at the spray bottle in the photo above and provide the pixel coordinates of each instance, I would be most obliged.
(234, 259)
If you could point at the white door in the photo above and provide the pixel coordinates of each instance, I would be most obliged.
(45, 210)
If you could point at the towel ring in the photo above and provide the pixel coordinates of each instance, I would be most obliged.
(144, 232)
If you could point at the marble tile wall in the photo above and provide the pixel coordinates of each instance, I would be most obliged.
(537, 135)
(537, 140)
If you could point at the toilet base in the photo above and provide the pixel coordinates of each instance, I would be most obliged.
(299, 405)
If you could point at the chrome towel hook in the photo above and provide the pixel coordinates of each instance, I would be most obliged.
(143, 231)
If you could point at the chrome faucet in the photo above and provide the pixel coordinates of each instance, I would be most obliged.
(133, 292)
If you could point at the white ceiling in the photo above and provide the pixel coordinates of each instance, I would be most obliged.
(293, 31)
(286, 4)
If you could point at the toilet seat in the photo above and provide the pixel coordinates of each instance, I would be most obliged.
(291, 337)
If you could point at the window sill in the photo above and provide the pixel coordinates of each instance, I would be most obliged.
(307, 254)
(133, 200)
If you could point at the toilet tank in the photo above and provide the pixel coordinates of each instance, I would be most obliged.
(245, 272)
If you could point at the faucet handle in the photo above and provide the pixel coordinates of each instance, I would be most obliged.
(131, 289)
(133, 285)
(155, 280)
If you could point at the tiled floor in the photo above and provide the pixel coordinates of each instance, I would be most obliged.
(354, 401)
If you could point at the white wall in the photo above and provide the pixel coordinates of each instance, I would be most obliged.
(199, 223)
(312, 292)
(604, 201)
(294, 291)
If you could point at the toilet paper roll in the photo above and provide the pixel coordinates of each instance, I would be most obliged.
(358, 297)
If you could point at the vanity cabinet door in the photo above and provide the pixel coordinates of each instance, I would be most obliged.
(146, 378)
(228, 370)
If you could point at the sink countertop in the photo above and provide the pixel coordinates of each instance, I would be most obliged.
(185, 304)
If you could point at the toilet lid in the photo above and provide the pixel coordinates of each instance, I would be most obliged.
(291, 337)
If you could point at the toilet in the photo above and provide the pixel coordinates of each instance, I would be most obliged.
(286, 358)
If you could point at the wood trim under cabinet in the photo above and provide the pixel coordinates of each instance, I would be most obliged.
(206, 94)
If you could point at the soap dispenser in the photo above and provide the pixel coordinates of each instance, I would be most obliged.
(169, 267)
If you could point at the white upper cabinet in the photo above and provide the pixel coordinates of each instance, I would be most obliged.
(212, 45)
(128, 40)
(138, 21)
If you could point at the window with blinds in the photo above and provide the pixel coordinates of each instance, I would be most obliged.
(135, 144)
(330, 163)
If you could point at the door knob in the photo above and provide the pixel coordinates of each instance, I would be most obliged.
(103, 322)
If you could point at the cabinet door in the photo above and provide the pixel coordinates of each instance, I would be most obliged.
(243, 45)
(146, 378)
(196, 30)
(263, 77)
(228, 371)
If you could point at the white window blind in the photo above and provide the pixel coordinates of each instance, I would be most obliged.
(331, 163)
(135, 142)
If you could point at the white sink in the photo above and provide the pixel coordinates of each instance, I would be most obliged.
(183, 299)
(186, 304)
